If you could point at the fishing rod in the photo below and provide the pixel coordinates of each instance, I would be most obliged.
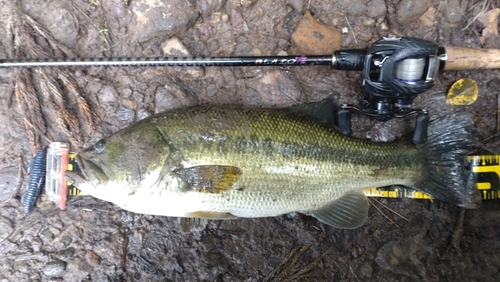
(395, 70)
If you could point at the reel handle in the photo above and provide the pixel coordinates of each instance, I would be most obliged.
(421, 122)
(459, 58)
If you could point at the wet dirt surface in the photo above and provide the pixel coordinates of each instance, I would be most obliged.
(96, 241)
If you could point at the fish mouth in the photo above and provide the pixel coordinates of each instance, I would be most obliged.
(91, 170)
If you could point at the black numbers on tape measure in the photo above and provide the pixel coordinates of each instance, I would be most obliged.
(488, 175)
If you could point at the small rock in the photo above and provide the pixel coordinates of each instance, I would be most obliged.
(78, 269)
(377, 8)
(92, 258)
(21, 266)
(170, 17)
(282, 43)
(383, 26)
(125, 93)
(54, 268)
(54, 231)
(126, 114)
(411, 10)
(58, 224)
(211, 90)
(142, 114)
(354, 8)
(9, 181)
(211, 6)
(175, 47)
(213, 45)
(314, 38)
(252, 97)
(365, 270)
(257, 52)
(237, 22)
(107, 94)
(282, 53)
(224, 18)
(399, 258)
(36, 244)
(47, 234)
(243, 48)
(63, 242)
(67, 253)
(454, 13)
(172, 96)
(297, 5)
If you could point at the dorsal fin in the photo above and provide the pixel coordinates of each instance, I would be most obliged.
(323, 111)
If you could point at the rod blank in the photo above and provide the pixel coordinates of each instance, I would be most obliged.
(172, 61)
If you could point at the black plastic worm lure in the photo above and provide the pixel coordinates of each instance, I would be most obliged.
(36, 180)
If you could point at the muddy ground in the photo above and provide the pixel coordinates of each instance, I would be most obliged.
(96, 241)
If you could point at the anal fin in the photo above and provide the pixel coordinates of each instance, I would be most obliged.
(349, 211)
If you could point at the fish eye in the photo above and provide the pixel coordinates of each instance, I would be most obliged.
(100, 147)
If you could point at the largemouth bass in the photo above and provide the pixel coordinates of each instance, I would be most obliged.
(221, 162)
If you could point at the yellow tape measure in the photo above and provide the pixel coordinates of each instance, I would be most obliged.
(73, 166)
(487, 167)
(488, 175)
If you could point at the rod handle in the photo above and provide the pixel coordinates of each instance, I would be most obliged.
(459, 58)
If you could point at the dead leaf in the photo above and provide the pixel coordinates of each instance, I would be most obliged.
(462, 93)
(490, 21)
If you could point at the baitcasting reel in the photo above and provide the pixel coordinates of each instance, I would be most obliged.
(395, 71)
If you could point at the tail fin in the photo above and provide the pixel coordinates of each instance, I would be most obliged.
(448, 176)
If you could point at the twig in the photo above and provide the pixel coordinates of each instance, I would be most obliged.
(355, 276)
(459, 230)
(350, 28)
(390, 209)
(384, 214)
(308, 4)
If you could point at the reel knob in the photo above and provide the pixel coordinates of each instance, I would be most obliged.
(344, 120)
(421, 125)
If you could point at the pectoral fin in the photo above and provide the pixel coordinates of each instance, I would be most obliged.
(349, 212)
(211, 215)
(210, 178)
(188, 224)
